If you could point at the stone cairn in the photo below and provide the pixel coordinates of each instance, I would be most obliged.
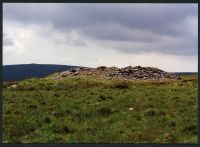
(137, 72)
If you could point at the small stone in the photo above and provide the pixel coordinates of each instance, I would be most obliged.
(13, 86)
(76, 73)
(89, 73)
(130, 109)
(73, 70)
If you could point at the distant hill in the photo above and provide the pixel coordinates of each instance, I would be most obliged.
(25, 71)
(184, 73)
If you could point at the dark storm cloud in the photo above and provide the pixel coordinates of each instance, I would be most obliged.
(146, 23)
(112, 32)
(144, 16)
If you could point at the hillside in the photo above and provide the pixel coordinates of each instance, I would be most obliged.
(94, 109)
(25, 71)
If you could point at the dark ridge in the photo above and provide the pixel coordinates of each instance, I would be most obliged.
(184, 73)
(24, 71)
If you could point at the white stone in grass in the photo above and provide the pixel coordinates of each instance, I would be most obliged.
(130, 109)
(13, 86)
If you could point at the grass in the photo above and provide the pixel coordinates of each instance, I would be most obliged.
(88, 109)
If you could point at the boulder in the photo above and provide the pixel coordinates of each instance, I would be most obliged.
(13, 86)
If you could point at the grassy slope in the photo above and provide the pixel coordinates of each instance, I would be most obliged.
(93, 110)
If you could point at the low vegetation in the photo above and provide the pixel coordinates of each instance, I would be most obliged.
(89, 109)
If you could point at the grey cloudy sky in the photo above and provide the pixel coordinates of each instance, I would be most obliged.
(160, 35)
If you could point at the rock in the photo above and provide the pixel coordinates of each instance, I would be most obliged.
(13, 86)
(134, 73)
(130, 109)
(76, 73)
(65, 74)
(73, 70)
(89, 73)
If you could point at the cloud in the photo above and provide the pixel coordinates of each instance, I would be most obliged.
(154, 17)
(95, 34)
(147, 23)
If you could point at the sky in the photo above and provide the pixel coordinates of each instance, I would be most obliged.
(156, 35)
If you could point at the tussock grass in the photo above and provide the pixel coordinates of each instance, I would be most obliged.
(89, 109)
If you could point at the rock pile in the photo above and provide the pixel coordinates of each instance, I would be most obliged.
(137, 72)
